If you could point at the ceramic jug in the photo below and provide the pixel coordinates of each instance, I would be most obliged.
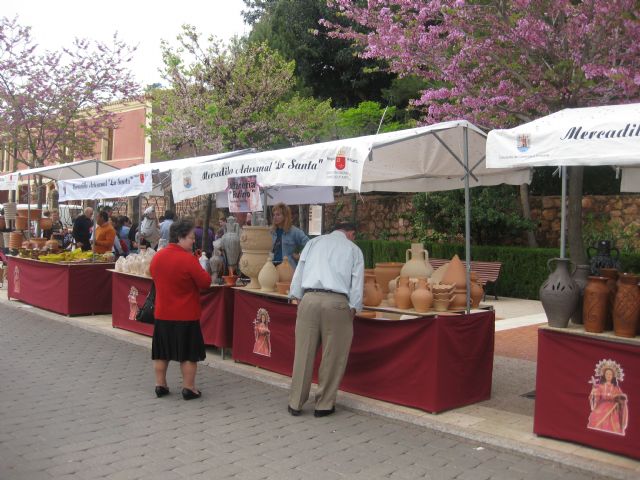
(285, 271)
(268, 276)
(477, 292)
(559, 294)
(626, 307)
(602, 257)
(417, 263)
(594, 305)
(372, 292)
(402, 294)
(421, 297)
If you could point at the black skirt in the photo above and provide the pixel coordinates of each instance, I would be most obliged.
(177, 340)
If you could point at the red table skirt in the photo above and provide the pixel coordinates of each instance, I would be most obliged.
(565, 408)
(434, 364)
(80, 289)
(216, 321)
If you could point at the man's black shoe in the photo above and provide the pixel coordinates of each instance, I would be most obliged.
(324, 413)
(293, 411)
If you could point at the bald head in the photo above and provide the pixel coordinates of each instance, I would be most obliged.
(88, 212)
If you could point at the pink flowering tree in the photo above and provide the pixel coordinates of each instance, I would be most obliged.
(502, 63)
(53, 104)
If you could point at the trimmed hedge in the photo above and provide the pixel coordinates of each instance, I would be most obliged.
(523, 269)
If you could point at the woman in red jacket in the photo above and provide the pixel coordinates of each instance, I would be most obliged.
(178, 278)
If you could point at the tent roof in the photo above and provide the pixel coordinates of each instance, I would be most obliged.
(607, 135)
(67, 171)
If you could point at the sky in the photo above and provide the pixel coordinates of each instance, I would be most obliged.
(55, 24)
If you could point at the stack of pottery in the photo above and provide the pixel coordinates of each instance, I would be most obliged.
(626, 307)
(422, 297)
(456, 275)
(559, 294)
(442, 295)
(372, 292)
(21, 223)
(268, 276)
(231, 244)
(6, 237)
(417, 264)
(386, 272)
(256, 246)
(32, 213)
(45, 223)
(15, 240)
(402, 293)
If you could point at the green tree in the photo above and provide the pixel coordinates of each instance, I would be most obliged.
(495, 214)
(366, 118)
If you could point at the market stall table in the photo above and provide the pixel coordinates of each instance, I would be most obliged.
(432, 363)
(130, 292)
(66, 288)
(570, 364)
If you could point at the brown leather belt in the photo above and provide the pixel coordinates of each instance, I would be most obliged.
(322, 290)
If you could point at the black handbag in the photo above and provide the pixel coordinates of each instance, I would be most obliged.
(145, 314)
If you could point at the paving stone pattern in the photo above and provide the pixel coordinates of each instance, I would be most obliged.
(80, 405)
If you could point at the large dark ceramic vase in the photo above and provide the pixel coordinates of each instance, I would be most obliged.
(559, 294)
(601, 257)
(581, 277)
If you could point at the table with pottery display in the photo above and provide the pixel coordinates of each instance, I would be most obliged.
(433, 362)
(588, 389)
(71, 288)
(130, 291)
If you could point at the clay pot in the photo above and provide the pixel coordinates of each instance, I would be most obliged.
(612, 282)
(581, 277)
(39, 242)
(21, 223)
(477, 292)
(372, 292)
(626, 307)
(385, 272)
(256, 239)
(230, 280)
(33, 213)
(268, 276)
(417, 262)
(440, 305)
(45, 223)
(283, 287)
(251, 263)
(594, 306)
(402, 295)
(3, 224)
(15, 240)
(285, 271)
(421, 297)
(559, 294)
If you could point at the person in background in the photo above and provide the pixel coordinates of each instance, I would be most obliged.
(329, 285)
(56, 226)
(222, 223)
(178, 279)
(133, 242)
(149, 231)
(105, 234)
(199, 230)
(285, 236)
(166, 225)
(125, 227)
(82, 229)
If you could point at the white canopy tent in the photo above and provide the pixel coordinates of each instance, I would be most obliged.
(63, 171)
(444, 156)
(608, 135)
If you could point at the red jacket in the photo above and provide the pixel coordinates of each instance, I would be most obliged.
(178, 278)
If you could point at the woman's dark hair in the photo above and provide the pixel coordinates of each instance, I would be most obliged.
(179, 229)
(104, 215)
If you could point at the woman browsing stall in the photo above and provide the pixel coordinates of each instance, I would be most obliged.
(286, 238)
(178, 279)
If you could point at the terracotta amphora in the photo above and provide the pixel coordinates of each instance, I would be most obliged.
(417, 262)
(612, 283)
(285, 271)
(385, 272)
(580, 276)
(626, 307)
(477, 292)
(372, 292)
(402, 295)
(421, 297)
(594, 305)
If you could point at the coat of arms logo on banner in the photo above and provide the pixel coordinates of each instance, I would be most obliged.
(16, 279)
(341, 160)
(524, 142)
(609, 404)
(262, 343)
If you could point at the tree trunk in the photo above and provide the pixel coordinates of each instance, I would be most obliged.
(574, 214)
(526, 213)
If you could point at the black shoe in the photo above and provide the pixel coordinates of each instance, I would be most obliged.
(190, 394)
(324, 413)
(293, 411)
(161, 391)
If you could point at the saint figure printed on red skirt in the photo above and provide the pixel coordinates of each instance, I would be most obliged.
(262, 344)
(609, 409)
(16, 279)
(133, 303)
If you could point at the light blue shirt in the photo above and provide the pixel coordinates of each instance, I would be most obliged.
(331, 262)
(164, 229)
(290, 241)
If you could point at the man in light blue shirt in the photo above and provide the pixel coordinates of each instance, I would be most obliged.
(329, 283)
(166, 224)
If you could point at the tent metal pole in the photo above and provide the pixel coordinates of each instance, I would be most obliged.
(563, 174)
(467, 215)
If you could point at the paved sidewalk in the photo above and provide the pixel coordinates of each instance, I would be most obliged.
(80, 405)
(505, 421)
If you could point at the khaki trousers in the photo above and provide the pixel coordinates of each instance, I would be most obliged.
(323, 318)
